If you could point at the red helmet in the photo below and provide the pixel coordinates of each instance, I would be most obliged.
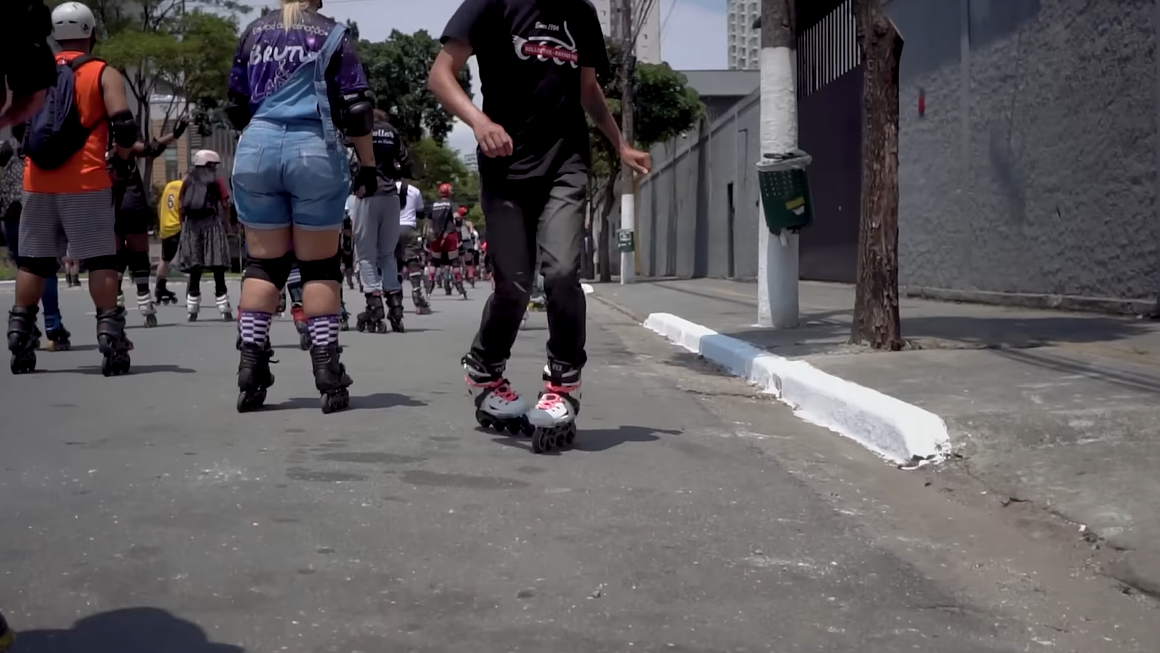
(463, 211)
(445, 190)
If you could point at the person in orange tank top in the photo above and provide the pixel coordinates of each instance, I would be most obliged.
(69, 208)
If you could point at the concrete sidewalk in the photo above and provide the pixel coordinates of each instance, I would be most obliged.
(1061, 410)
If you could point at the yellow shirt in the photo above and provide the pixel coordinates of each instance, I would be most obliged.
(170, 225)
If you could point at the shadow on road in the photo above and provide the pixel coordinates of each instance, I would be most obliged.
(95, 370)
(592, 440)
(131, 630)
(76, 348)
(368, 402)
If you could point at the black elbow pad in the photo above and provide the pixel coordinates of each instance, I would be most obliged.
(125, 129)
(238, 110)
(356, 113)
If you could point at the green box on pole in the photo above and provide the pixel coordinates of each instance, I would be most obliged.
(625, 240)
(785, 191)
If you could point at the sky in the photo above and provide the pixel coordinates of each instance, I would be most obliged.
(693, 33)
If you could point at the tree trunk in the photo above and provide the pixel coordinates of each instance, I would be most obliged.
(876, 320)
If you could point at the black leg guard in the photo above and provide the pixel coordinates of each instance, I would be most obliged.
(41, 267)
(139, 268)
(327, 269)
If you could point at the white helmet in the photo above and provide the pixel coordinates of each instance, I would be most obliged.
(205, 158)
(72, 21)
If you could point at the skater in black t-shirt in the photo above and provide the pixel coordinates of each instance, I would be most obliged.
(538, 66)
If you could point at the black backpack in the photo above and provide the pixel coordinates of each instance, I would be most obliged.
(55, 133)
(199, 200)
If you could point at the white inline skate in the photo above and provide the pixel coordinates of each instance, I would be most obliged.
(497, 406)
(192, 307)
(553, 418)
(223, 306)
(147, 308)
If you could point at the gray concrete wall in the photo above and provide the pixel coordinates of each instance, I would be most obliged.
(683, 220)
(1033, 170)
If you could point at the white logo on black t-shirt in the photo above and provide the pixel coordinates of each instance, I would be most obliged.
(544, 48)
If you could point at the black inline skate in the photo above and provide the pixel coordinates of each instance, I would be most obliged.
(395, 310)
(343, 318)
(330, 377)
(23, 338)
(112, 343)
(371, 320)
(254, 376)
(58, 339)
(497, 406)
(421, 305)
(163, 295)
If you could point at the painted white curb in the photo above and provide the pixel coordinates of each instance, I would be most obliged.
(894, 429)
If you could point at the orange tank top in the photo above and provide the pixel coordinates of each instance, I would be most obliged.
(86, 170)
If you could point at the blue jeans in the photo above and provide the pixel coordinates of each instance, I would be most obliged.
(50, 297)
(285, 175)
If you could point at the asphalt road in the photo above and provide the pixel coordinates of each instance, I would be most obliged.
(143, 514)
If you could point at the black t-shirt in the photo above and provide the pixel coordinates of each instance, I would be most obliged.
(391, 157)
(530, 53)
(27, 64)
(128, 188)
(442, 212)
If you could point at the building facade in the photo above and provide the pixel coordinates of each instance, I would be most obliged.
(744, 40)
(648, 41)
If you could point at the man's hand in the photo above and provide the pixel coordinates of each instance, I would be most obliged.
(641, 162)
(493, 140)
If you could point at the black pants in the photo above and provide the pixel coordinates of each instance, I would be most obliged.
(219, 281)
(522, 215)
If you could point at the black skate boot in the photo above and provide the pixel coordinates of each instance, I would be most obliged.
(460, 289)
(254, 376)
(112, 343)
(497, 406)
(59, 339)
(6, 635)
(421, 305)
(23, 338)
(395, 310)
(554, 415)
(343, 318)
(330, 377)
(371, 320)
(163, 295)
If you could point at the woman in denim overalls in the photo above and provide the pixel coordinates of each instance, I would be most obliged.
(295, 82)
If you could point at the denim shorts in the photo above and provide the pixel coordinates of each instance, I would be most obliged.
(285, 175)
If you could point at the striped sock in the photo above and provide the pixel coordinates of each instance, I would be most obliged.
(254, 327)
(323, 330)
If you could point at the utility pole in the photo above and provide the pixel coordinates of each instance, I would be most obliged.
(777, 256)
(627, 232)
(876, 319)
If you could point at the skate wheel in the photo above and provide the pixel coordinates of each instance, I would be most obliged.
(570, 435)
(344, 325)
(361, 326)
(238, 343)
(192, 317)
(228, 317)
(23, 363)
(304, 341)
(107, 366)
(382, 327)
(243, 402)
(541, 440)
(399, 328)
(484, 420)
(150, 321)
(514, 427)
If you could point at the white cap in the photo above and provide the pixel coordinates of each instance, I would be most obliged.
(72, 21)
(205, 157)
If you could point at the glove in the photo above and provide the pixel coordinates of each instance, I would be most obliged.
(179, 129)
(366, 182)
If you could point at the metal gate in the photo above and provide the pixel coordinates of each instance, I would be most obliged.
(829, 88)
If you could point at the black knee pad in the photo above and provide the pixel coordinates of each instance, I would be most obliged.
(112, 262)
(41, 267)
(328, 269)
(274, 270)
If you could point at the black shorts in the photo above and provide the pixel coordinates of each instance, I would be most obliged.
(169, 247)
(133, 223)
(410, 246)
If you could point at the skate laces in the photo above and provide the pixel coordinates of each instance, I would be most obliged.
(499, 388)
(554, 395)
